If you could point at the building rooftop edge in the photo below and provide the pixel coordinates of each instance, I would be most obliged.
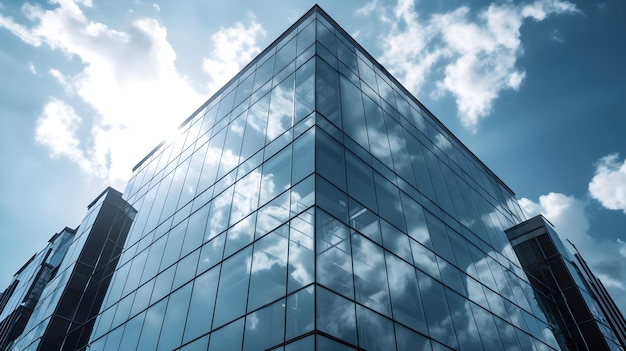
(319, 9)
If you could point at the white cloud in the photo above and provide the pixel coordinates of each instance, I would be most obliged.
(367, 9)
(566, 213)
(622, 247)
(608, 185)
(128, 91)
(233, 47)
(476, 54)
(31, 68)
(56, 129)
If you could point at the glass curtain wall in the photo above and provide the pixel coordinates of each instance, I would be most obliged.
(314, 204)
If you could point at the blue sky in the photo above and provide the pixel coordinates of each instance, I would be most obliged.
(535, 89)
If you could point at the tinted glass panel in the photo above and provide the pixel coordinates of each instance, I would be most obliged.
(300, 313)
(332, 308)
(375, 331)
(370, 276)
(233, 288)
(301, 251)
(174, 321)
(334, 259)
(227, 338)
(201, 305)
(265, 327)
(269, 269)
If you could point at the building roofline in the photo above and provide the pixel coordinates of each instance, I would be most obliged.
(103, 193)
(318, 9)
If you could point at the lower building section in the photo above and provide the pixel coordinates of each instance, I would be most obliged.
(65, 296)
(571, 295)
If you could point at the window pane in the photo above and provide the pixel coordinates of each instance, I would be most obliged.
(300, 313)
(303, 156)
(436, 309)
(375, 331)
(211, 253)
(405, 294)
(424, 259)
(174, 322)
(370, 277)
(379, 144)
(281, 109)
(396, 241)
(331, 199)
(301, 251)
(401, 159)
(152, 326)
(329, 159)
(360, 181)
(334, 260)
(254, 135)
(388, 198)
(233, 288)
(305, 86)
(365, 221)
(285, 54)
(246, 196)
(174, 244)
(201, 306)
(227, 338)
(269, 270)
(439, 237)
(220, 210)
(352, 113)
(306, 344)
(415, 222)
(335, 316)
(410, 340)
(132, 332)
(303, 195)
(232, 146)
(327, 92)
(263, 73)
(272, 215)
(240, 235)
(306, 37)
(266, 327)
(276, 175)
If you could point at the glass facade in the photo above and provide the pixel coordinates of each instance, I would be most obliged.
(20, 298)
(79, 270)
(313, 204)
(567, 289)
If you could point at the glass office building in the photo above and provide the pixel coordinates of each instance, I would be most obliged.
(59, 292)
(313, 204)
(21, 296)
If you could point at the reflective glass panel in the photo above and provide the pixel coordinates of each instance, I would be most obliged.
(334, 259)
(300, 313)
(370, 276)
(301, 251)
(269, 269)
(335, 315)
(228, 338)
(201, 305)
(265, 327)
(375, 331)
(233, 287)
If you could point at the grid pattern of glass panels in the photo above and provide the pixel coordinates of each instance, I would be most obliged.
(312, 203)
(52, 293)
